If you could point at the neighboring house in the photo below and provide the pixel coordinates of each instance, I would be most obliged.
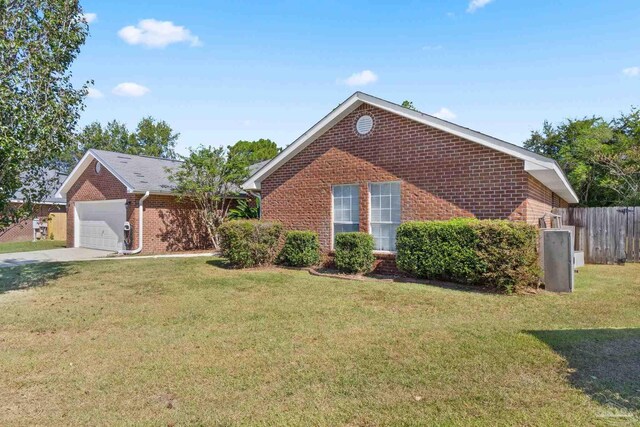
(370, 165)
(104, 192)
(51, 204)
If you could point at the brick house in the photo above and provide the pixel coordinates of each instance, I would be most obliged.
(23, 230)
(105, 190)
(370, 165)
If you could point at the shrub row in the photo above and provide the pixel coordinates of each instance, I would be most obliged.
(247, 243)
(496, 253)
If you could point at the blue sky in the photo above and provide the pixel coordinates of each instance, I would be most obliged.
(218, 72)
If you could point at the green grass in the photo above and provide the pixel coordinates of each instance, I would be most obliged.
(188, 342)
(9, 247)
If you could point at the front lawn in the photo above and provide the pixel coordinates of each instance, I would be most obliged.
(189, 342)
(39, 245)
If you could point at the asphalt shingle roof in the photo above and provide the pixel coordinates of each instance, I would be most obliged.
(257, 166)
(57, 179)
(142, 173)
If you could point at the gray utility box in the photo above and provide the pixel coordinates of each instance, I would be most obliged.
(558, 262)
(578, 256)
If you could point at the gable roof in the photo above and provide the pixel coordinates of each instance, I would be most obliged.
(542, 168)
(138, 173)
(52, 176)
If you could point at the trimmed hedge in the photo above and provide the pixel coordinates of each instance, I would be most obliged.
(496, 253)
(509, 253)
(301, 249)
(438, 250)
(354, 252)
(250, 243)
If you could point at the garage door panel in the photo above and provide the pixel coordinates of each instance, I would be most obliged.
(100, 224)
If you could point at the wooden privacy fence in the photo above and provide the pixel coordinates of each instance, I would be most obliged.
(57, 226)
(605, 235)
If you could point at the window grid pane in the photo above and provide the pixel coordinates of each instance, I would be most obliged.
(385, 214)
(346, 209)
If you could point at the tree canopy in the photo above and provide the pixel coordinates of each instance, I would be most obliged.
(254, 151)
(408, 104)
(150, 138)
(209, 177)
(39, 106)
(601, 158)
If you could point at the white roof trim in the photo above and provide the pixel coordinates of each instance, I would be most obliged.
(82, 165)
(556, 181)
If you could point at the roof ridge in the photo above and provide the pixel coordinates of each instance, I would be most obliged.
(547, 158)
(139, 155)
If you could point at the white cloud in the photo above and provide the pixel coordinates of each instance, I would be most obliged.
(157, 34)
(444, 114)
(631, 71)
(360, 79)
(130, 89)
(477, 4)
(89, 17)
(94, 93)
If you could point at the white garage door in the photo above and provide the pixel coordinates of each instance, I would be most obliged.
(100, 225)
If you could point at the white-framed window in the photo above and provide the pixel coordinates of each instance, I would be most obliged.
(384, 214)
(346, 209)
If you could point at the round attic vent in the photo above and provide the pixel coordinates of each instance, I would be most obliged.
(364, 125)
(98, 167)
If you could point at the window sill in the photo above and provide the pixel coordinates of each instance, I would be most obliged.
(382, 253)
(385, 254)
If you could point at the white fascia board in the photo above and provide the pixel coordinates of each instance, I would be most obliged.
(535, 161)
(112, 171)
(82, 165)
(353, 102)
(554, 179)
(454, 129)
(75, 173)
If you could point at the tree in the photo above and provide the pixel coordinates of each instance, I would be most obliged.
(151, 138)
(155, 138)
(209, 177)
(39, 107)
(408, 104)
(255, 151)
(601, 158)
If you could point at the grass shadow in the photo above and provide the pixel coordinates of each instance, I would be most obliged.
(31, 275)
(474, 289)
(221, 263)
(331, 272)
(604, 363)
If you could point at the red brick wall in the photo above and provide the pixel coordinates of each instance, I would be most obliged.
(23, 231)
(168, 225)
(541, 200)
(442, 176)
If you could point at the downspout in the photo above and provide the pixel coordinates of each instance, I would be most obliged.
(140, 222)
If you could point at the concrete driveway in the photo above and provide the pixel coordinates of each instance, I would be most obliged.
(51, 255)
